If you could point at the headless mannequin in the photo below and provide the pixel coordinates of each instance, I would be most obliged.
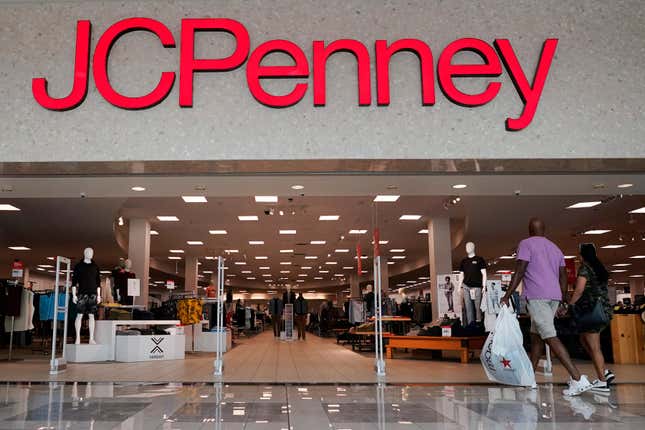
(88, 253)
(472, 284)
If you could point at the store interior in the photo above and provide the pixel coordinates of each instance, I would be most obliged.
(300, 233)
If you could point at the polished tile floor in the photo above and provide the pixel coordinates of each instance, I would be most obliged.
(264, 360)
(132, 406)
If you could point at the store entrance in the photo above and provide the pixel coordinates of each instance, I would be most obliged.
(308, 236)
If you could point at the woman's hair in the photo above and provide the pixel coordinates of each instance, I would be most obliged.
(588, 253)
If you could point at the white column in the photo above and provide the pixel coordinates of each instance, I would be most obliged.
(440, 255)
(139, 254)
(190, 277)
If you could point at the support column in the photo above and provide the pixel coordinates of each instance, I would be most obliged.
(354, 286)
(636, 287)
(139, 255)
(440, 255)
(190, 277)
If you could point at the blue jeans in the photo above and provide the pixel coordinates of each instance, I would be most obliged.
(473, 307)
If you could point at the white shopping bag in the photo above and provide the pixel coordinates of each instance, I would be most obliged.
(503, 355)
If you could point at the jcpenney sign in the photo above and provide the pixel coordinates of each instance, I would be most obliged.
(493, 60)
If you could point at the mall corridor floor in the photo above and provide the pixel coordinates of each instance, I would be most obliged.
(131, 406)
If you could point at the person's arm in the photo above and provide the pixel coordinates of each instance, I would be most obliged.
(581, 282)
(520, 271)
(563, 282)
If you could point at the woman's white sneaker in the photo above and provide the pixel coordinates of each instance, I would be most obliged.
(601, 387)
(578, 387)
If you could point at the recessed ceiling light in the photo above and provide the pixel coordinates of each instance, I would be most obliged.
(569, 257)
(613, 246)
(622, 264)
(287, 231)
(328, 217)
(266, 275)
(266, 199)
(507, 257)
(231, 251)
(176, 251)
(625, 185)
(323, 271)
(219, 232)
(251, 278)
(285, 263)
(7, 207)
(397, 250)
(423, 231)
(297, 187)
(208, 272)
(637, 257)
(167, 218)
(154, 233)
(311, 257)
(247, 217)
(356, 231)
(284, 272)
(583, 205)
(265, 268)
(339, 275)
(303, 275)
(195, 242)
(174, 258)
(410, 217)
(635, 276)
(194, 199)
(348, 268)
(43, 269)
(286, 251)
(459, 186)
(391, 262)
(638, 211)
(240, 263)
(209, 257)
(300, 281)
(261, 257)
(256, 242)
(398, 257)
(306, 267)
(51, 258)
(386, 198)
(138, 188)
(341, 251)
(619, 271)
(246, 272)
(318, 242)
(49, 266)
(318, 278)
(331, 263)
(596, 231)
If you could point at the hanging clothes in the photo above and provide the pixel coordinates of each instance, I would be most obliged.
(189, 311)
(22, 322)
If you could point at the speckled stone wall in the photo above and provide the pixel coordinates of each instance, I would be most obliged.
(592, 106)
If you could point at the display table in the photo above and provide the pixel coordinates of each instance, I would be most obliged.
(438, 343)
(363, 340)
(105, 334)
(198, 340)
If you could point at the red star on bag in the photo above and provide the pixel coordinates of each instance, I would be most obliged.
(506, 363)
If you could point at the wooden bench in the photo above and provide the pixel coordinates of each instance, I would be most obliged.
(463, 344)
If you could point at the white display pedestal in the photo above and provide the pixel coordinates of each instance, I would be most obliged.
(150, 348)
(105, 332)
(86, 353)
(207, 340)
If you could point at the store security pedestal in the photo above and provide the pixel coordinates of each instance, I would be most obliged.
(207, 341)
(86, 353)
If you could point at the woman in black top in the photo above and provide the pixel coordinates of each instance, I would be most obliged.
(591, 287)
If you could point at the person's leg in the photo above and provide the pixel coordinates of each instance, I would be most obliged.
(537, 349)
(593, 343)
(558, 349)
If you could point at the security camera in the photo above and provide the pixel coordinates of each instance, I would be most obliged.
(267, 212)
(517, 192)
(83, 195)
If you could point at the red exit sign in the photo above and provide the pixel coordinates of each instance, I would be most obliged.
(494, 60)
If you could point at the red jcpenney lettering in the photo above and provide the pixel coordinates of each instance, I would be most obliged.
(490, 67)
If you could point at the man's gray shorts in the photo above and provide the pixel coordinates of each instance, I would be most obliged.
(542, 314)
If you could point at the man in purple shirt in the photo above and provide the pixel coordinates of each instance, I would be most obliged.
(540, 264)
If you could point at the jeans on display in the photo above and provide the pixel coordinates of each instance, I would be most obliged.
(473, 307)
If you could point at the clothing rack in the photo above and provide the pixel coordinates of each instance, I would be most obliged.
(16, 283)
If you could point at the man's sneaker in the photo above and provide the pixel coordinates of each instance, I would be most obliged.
(609, 376)
(601, 387)
(577, 387)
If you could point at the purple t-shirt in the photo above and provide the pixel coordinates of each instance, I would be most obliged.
(542, 278)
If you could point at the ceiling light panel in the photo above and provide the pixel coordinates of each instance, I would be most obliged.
(154, 233)
(194, 199)
(266, 199)
(410, 217)
(256, 242)
(288, 231)
(386, 198)
(231, 251)
(599, 231)
(318, 242)
(584, 205)
(195, 242)
(286, 251)
(423, 231)
(176, 251)
(20, 248)
(357, 231)
(638, 211)
(247, 217)
(613, 246)
(217, 232)
(328, 217)
(167, 218)
(9, 208)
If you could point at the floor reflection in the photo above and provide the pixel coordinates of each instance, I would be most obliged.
(218, 406)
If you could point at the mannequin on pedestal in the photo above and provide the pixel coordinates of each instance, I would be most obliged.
(86, 292)
(473, 276)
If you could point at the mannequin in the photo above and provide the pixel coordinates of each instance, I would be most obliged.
(473, 280)
(120, 275)
(86, 292)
